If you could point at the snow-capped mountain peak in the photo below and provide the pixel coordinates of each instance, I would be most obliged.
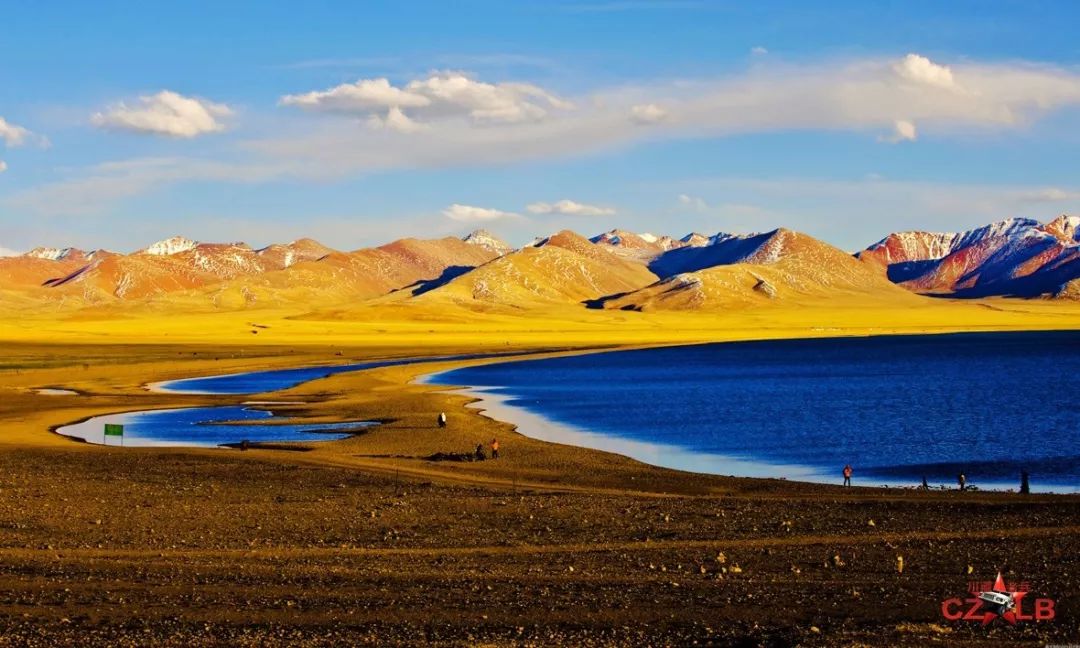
(52, 254)
(488, 241)
(694, 239)
(170, 246)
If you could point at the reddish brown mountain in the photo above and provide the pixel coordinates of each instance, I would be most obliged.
(1018, 256)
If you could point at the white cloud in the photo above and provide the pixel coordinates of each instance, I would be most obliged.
(165, 113)
(903, 131)
(362, 96)
(13, 135)
(439, 96)
(486, 102)
(468, 213)
(758, 51)
(922, 70)
(648, 113)
(3, 166)
(569, 208)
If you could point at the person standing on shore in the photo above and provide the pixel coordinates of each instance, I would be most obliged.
(847, 475)
(1025, 483)
(961, 479)
(494, 448)
(442, 419)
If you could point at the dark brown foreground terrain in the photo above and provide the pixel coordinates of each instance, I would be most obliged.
(364, 542)
(200, 549)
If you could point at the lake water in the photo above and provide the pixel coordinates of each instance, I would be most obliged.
(206, 426)
(896, 408)
(258, 382)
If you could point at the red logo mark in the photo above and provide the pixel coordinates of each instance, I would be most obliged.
(998, 599)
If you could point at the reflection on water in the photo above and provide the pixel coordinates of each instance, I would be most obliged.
(206, 426)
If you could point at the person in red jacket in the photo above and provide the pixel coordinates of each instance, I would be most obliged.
(847, 475)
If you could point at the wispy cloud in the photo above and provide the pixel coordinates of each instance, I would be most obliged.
(470, 214)
(649, 113)
(569, 208)
(903, 131)
(441, 95)
(96, 189)
(14, 136)
(693, 202)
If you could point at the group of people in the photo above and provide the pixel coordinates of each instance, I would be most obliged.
(494, 450)
(961, 480)
(479, 454)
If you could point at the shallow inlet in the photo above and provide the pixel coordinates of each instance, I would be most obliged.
(271, 380)
(206, 427)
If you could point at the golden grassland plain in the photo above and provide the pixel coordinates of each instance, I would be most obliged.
(368, 540)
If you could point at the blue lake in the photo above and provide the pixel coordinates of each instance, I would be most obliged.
(258, 382)
(205, 426)
(896, 408)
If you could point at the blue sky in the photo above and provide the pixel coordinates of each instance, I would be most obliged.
(358, 123)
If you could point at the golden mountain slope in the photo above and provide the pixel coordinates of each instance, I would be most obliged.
(783, 266)
(26, 272)
(345, 277)
(284, 256)
(139, 276)
(564, 269)
(231, 275)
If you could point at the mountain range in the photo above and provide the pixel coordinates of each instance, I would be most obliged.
(614, 270)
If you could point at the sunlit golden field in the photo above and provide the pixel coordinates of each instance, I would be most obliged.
(431, 325)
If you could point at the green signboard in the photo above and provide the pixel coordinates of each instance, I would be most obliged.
(112, 429)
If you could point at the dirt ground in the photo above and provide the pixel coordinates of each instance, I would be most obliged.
(367, 542)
